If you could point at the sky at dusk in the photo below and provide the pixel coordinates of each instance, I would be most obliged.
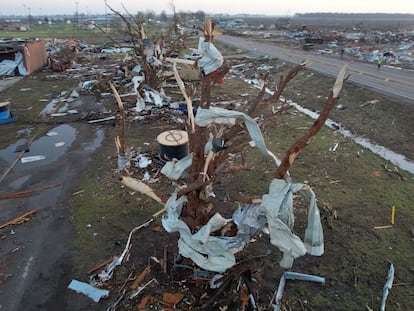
(268, 7)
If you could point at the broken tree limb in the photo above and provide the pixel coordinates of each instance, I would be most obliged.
(210, 157)
(284, 81)
(25, 192)
(122, 113)
(187, 98)
(139, 186)
(19, 156)
(180, 61)
(259, 104)
(141, 277)
(382, 227)
(191, 187)
(303, 141)
(100, 265)
(161, 211)
(19, 219)
(132, 29)
(106, 274)
(102, 120)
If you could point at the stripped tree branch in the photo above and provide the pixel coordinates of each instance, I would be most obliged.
(303, 141)
(121, 146)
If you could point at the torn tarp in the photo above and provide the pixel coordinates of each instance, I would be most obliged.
(278, 204)
(211, 59)
(216, 253)
(207, 251)
(174, 169)
(205, 117)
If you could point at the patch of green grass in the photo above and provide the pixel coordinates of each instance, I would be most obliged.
(56, 30)
(354, 182)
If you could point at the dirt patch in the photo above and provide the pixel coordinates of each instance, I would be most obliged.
(351, 182)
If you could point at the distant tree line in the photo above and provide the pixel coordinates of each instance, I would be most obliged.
(353, 15)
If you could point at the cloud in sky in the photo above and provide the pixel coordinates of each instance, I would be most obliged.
(268, 7)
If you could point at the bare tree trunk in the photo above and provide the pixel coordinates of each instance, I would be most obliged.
(197, 211)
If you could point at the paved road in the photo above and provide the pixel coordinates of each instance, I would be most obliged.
(393, 82)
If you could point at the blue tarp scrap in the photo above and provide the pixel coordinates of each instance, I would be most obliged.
(5, 114)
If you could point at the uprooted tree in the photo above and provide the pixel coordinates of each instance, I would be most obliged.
(212, 149)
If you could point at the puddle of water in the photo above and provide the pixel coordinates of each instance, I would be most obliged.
(44, 146)
(397, 159)
(19, 182)
(97, 142)
(389, 155)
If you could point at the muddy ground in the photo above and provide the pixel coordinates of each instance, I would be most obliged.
(86, 219)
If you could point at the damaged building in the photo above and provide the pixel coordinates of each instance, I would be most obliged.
(21, 57)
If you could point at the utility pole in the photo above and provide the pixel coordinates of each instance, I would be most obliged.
(29, 18)
(25, 11)
(77, 15)
(106, 18)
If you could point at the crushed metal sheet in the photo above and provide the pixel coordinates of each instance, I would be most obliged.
(32, 158)
(84, 288)
(288, 275)
(387, 286)
(106, 274)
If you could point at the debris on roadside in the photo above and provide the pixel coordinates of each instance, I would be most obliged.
(387, 286)
(21, 56)
(6, 116)
(288, 275)
(20, 219)
(94, 293)
(106, 274)
(26, 192)
(334, 147)
(382, 227)
(330, 213)
(32, 158)
(393, 171)
(372, 102)
(16, 160)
